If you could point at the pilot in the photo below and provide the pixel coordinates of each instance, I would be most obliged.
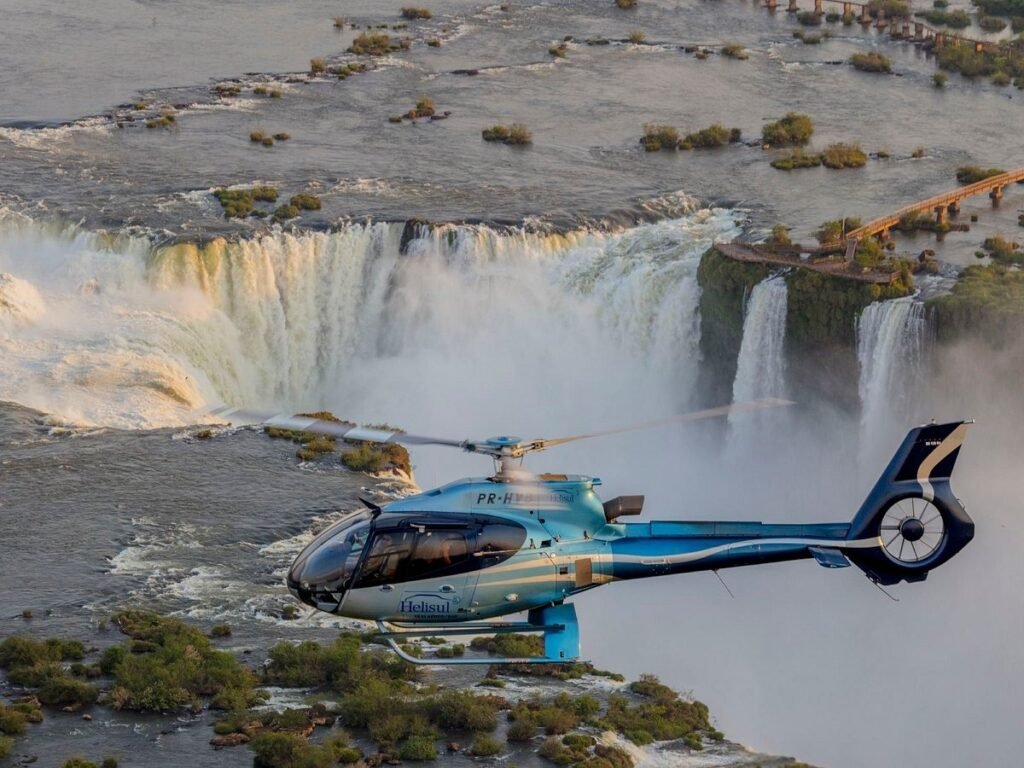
(451, 549)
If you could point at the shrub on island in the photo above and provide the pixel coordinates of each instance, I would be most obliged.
(871, 61)
(794, 129)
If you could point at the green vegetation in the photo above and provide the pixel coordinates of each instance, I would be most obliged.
(916, 221)
(424, 108)
(958, 19)
(992, 23)
(809, 18)
(559, 50)
(305, 202)
(36, 665)
(625, 4)
(282, 136)
(663, 714)
(969, 174)
(794, 129)
(848, 19)
(970, 63)
(416, 13)
(636, 37)
(345, 71)
(221, 630)
(735, 51)
(371, 44)
(166, 120)
(832, 17)
(1001, 7)
(986, 303)
(1002, 251)
(712, 136)
(516, 134)
(377, 457)
(890, 7)
(317, 66)
(238, 203)
(871, 61)
(285, 211)
(833, 231)
(796, 159)
(169, 665)
(939, 79)
(485, 746)
(808, 38)
(779, 235)
(843, 156)
(434, 42)
(6, 746)
(659, 137)
(918, 153)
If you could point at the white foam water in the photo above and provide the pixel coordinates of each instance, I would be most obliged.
(115, 331)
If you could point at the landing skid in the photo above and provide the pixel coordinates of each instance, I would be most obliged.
(557, 623)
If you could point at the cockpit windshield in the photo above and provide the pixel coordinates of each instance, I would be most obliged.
(322, 572)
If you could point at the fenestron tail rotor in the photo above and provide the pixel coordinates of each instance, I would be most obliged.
(912, 530)
(506, 451)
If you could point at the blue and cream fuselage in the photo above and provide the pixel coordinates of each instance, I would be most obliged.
(522, 546)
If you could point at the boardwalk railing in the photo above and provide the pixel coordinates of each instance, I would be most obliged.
(993, 184)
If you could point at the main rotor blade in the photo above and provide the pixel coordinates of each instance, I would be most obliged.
(344, 430)
(708, 413)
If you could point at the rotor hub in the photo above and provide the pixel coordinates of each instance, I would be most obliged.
(912, 529)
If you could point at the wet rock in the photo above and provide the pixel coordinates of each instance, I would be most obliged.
(87, 717)
(71, 707)
(410, 231)
(454, 746)
(229, 740)
(468, 72)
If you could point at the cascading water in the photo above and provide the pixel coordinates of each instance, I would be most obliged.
(761, 366)
(466, 324)
(890, 348)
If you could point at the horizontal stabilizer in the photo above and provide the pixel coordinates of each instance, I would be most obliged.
(828, 557)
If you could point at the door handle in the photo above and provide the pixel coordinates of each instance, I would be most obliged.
(388, 588)
(447, 588)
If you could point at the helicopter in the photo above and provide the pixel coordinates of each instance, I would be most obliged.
(451, 560)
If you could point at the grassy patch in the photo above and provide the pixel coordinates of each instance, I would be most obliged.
(992, 23)
(843, 156)
(712, 136)
(657, 136)
(317, 66)
(305, 202)
(371, 44)
(958, 19)
(796, 159)
(416, 13)
(238, 203)
(625, 4)
(969, 174)
(735, 51)
(485, 746)
(808, 19)
(559, 51)
(987, 303)
(515, 134)
(891, 8)
(637, 37)
(871, 61)
(1002, 251)
(794, 129)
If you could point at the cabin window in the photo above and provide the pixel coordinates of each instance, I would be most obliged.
(499, 538)
(437, 552)
(387, 559)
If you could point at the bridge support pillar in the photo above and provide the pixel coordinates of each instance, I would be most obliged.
(880, 21)
(865, 17)
(979, 47)
(953, 209)
(956, 41)
(792, 7)
(918, 31)
(940, 214)
(906, 28)
(883, 236)
(771, 5)
(847, 9)
(940, 40)
(819, 7)
(997, 195)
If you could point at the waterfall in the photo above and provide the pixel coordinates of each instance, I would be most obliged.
(466, 323)
(890, 346)
(761, 365)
